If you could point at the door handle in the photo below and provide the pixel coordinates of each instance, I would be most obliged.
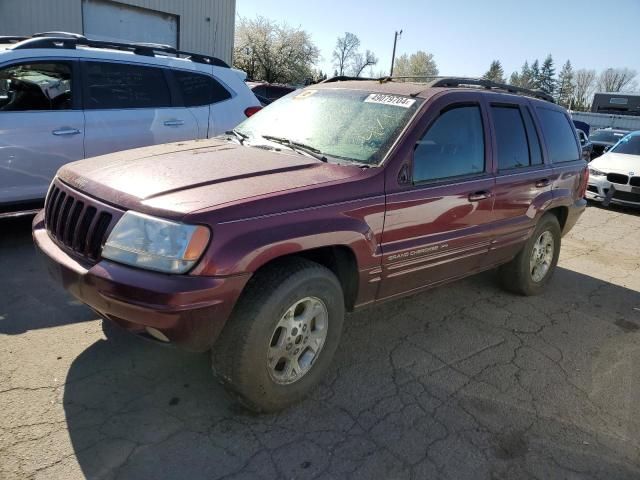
(544, 182)
(481, 195)
(173, 123)
(65, 131)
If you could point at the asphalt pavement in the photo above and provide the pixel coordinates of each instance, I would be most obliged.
(463, 381)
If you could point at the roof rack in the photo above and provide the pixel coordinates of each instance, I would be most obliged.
(345, 78)
(489, 85)
(66, 40)
(435, 81)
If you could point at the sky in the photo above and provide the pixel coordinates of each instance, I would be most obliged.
(466, 35)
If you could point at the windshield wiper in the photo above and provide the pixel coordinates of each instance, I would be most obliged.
(240, 136)
(297, 146)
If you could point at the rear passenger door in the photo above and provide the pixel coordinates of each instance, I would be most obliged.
(523, 179)
(204, 96)
(563, 151)
(129, 106)
(438, 213)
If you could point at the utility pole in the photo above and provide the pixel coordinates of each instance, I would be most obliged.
(393, 56)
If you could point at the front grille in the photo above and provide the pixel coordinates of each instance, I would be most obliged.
(618, 178)
(592, 188)
(635, 181)
(626, 196)
(73, 222)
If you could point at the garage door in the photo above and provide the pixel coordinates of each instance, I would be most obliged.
(106, 20)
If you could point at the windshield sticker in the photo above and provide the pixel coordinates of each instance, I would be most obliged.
(305, 94)
(396, 100)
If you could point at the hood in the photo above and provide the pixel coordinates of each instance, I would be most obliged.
(617, 163)
(188, 176)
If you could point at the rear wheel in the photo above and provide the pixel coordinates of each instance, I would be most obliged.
(530, 271)
(282, 336)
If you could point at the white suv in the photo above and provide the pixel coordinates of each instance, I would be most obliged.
(64, 97)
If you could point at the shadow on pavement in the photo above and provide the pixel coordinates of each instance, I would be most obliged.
(464, 381)
(29, 299)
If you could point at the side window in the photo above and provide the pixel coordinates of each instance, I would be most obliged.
(120, 85)
(453, 146)
(35, 86)
(511, 138)
(535, 151)
(198, 89)
(559, 136)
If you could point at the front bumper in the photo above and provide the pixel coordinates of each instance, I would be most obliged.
(189, 310)
(625, 194)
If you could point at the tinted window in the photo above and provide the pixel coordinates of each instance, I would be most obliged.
(118, 85)
(200, 89)
(453, 146)
(558, 134)
(535, 151)
(35, 86)
(511, 138)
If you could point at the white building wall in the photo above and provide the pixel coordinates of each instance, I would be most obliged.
(205, 26)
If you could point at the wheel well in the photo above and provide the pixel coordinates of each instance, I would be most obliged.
(561, 214)
(340, 260)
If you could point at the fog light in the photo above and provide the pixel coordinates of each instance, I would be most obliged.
(157, 334)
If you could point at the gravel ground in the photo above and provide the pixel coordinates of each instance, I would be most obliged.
(464, 381)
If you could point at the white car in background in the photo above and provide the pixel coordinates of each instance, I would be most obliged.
(64, 97)
(615, 176)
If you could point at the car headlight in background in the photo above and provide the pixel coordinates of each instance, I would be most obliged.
(156, 244)
(596, 173)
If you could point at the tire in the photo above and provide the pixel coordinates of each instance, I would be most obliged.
(517, 276)
(241, 356)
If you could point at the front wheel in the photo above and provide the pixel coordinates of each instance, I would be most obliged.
(530, 271)
(282, 336)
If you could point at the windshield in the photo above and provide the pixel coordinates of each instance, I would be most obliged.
(344, 124)
(606, 136)
(629, 145)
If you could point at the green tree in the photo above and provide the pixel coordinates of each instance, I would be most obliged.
(419, 64)
(546, 79)
(566, 86)
(522, 79)
(495, 72)
(534, 77)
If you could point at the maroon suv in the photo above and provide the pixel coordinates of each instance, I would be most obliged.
(342, 196)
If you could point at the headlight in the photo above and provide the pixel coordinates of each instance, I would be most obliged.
(596, 173)
(156, 244)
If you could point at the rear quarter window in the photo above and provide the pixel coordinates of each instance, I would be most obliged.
(558, 135)
(198, 89)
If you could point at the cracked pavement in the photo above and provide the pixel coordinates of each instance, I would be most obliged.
(463, 381)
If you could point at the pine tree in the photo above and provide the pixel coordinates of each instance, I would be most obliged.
(566, 86)
(495, 72)
(515, 79)
(547, 82)
(524, 79)
(534, 77)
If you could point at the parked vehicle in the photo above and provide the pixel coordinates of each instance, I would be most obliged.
(64, 97)
(269, 92)
(338, 197)
(585, 145)
(615, 176)
(605, 138)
